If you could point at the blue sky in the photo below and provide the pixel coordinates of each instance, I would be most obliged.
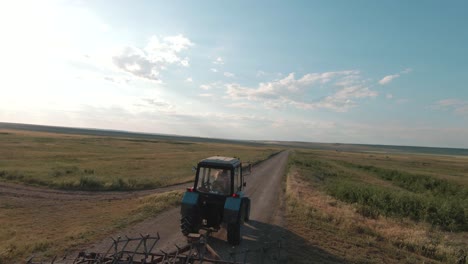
(376, 72)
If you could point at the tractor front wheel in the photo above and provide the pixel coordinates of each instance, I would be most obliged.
(233, 234)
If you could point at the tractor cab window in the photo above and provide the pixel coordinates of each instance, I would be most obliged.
(237, 179)
(213, 180)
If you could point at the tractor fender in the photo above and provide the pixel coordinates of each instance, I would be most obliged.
(232, 208)
(236, 209)
(189, 204)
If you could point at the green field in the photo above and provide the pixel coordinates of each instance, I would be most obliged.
(398, 208)
(79, 162)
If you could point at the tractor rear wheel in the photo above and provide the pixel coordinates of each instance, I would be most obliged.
(233, 234)
(247, 210)
(187, 225)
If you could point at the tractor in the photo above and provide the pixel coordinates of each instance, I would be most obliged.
(216, 199)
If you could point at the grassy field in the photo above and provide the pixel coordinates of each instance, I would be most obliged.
(45, 228)
(374, 208)
(358, 207)
(52, 223)
(80, 162)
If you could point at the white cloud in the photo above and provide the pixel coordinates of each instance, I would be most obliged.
(156, 103)
(341, 101)
(449, 103)
(275, 104)
(167, 49)
(209, 86)
(387, 79)
(344, 89)
(118, 80)
(242, 105)
(229, 74)
(206, 95)
(185, 62)
(458, 106)
(134, 61)
(214, 70)
(261, 73)
(156, 56)
(407, 70)
(189, 79)
(389, 96)
(218, 61)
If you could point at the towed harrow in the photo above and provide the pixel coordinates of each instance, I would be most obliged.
(142, 250)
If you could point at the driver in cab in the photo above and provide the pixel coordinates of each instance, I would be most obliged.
(222, 182)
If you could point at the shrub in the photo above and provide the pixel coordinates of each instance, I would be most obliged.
(90, 183)
(118, 184)
(11, 175)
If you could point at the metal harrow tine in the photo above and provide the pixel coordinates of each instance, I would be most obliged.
(139, 250)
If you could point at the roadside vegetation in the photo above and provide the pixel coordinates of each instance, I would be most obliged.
(422, 198)
(77, 162)
(376, 208)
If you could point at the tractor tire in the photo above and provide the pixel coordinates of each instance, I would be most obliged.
(187, 225)
(233, 234)
(246, 210)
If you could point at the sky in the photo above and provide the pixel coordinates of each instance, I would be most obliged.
(371, 72)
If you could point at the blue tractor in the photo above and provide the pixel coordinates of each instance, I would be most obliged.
(216, 198)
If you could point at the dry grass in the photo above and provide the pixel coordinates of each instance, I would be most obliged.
(104, 163)
(342, 230)
(47, 227)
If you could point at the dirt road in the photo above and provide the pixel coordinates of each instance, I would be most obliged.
(30, 192)
(264, 190)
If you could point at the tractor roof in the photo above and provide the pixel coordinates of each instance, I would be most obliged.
(220, 161)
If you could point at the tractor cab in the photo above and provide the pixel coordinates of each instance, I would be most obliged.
(220, 176)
